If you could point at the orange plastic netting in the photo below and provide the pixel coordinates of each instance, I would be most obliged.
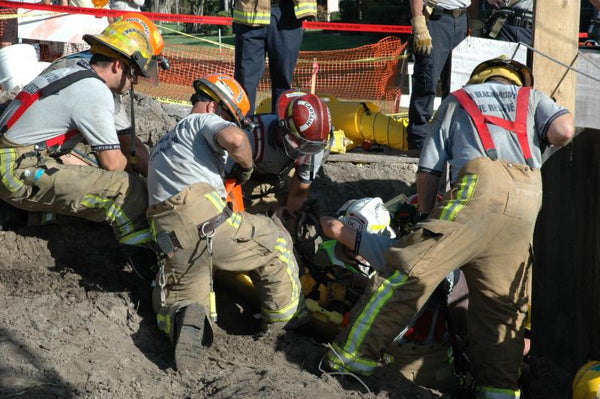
(367, 73)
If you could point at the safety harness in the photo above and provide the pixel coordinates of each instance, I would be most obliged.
(27, 97)
(519, 126)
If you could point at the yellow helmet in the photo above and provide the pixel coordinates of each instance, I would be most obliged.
(504, 67)
(227, 91)
(586, 383)
(125, 41)
(147, 26)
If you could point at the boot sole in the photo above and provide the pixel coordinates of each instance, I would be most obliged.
(188, 349)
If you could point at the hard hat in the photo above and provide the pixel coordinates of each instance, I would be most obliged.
(148, 27)
(504, 67)
(227, 91)
(367, 214)
(154, 36)
(305, 122)
(586, 383)
(125, 41)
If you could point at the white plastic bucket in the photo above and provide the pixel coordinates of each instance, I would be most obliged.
(18, 65)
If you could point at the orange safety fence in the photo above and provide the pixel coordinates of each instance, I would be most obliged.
(365, 73)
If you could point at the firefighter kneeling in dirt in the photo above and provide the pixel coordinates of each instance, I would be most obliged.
(296, 138)
(197, 231)
(492, 133)
(58, 110)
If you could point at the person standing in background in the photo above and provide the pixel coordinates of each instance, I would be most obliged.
(274, 28)
(594, 28)
(511, 21)
(438, 26)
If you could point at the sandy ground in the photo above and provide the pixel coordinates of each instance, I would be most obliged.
(76, 319)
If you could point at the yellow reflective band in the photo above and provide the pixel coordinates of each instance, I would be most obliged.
(284, 314)
(497, 393)
(234, 220)
(304, 9)
(113, 212)
(7, 169)
(137, 237)
(216, 200)
(253, 18)
(466, 189)
(343, 361)
(164, 323)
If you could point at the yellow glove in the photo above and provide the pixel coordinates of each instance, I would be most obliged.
(422, 40)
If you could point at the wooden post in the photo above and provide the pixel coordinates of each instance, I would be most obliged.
(555, 33)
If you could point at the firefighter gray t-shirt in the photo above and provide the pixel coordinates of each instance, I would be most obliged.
(121, 118)
(524, 5)
(451, 4)
(454, 138)
(188, 154)
(86, 106)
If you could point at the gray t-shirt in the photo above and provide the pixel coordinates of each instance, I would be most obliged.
(187, 154)
(121, 118)
(524, 5)
(85, 106)
(453, 138)
(270, 157)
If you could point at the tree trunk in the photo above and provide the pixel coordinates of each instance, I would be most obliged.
(196, 8)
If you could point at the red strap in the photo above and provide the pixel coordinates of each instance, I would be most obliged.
(479, 120)
(26, 100)
(61, 139)
(519, 126)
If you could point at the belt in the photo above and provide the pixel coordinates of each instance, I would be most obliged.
(167, 240)
(457, 12)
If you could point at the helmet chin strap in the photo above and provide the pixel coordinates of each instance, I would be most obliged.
(132, 156)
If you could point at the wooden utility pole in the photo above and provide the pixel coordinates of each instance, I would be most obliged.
(555, 33)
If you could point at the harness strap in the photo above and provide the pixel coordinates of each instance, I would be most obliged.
(519, 126)
(27, 99)
(259, 140)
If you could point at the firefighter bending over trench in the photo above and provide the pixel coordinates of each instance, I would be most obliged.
(492, 133)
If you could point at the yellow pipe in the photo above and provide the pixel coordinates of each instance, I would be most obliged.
(361, 121)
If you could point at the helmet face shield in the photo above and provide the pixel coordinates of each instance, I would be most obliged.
(149, 73)
(295, 145)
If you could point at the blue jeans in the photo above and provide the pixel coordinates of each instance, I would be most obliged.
(281, 41)
(446, 33)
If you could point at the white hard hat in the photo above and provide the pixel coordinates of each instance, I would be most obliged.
(367, 214)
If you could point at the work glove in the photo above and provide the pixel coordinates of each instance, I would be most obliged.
(421, 38)
(241, 175)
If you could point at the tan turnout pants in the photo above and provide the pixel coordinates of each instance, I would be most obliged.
(244, 242)
(91, 193)
(484, 225)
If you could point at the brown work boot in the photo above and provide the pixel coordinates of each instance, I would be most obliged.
(192, 336)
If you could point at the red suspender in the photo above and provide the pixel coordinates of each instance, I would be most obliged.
(26, 100)
(60, 140)
(519, 126)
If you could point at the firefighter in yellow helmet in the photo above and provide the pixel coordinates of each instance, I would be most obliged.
(586, 384)
(491, 133)
(58, 110)
(196, 231)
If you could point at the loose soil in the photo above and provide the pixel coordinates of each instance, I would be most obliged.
(76, 319)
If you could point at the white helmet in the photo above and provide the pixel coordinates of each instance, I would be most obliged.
(368, 214)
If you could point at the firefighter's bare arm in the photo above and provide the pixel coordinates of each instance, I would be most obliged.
(561, 130)
(234, 141)
(112, 159)
(141, 153)
(297, 195)
(427, 185)
(497, 3)
(335, 229)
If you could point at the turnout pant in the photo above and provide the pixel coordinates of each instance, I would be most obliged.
(244, 242)
(116, 197)
(281, 40)
(485, 226)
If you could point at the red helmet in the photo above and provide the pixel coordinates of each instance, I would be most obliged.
(305, 122)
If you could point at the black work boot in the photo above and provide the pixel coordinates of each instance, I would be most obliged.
(193, 333)
(12, 217)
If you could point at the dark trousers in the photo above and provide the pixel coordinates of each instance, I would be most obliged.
(446, 33)
(281, 41)
(511, 33)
